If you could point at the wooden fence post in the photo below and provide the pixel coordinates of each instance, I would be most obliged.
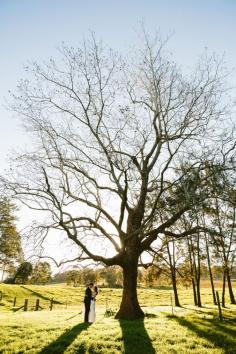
(14, 302)
(37, 305)
(51, 304)
(219, 307)
(26, 305)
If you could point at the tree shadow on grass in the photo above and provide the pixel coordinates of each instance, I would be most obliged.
(218, 333)
(41, 296)
(135, 337)
(65, 340)
(200, 310)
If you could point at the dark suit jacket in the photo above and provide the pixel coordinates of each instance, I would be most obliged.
(88, 296)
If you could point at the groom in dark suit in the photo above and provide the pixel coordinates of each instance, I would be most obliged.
(87, 299)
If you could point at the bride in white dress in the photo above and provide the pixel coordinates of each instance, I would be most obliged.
(92, 311)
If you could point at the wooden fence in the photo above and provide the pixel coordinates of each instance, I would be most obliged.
(36, 306)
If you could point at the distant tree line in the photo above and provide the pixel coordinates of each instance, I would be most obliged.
(105, 276)
(27, 273)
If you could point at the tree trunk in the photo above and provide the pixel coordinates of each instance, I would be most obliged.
(194, 292)
(210, 271)
(199, 301)
(177, 303)
(130, 308)
(173, 272)
(223, 290)
(212, 287)
(231, 294)
(192, 272)
(198, 273)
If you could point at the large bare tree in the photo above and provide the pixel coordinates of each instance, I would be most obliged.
(111, 134)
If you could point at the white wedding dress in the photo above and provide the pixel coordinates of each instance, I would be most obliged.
(92, 311)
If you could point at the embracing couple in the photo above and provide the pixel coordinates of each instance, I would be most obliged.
(89, 303)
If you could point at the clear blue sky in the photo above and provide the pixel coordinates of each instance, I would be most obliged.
(34, 28)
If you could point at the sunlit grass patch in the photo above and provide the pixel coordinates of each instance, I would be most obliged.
(55, 332)
(165, 329)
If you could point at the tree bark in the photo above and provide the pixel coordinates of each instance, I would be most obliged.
(223, 289)
(210, 272)
(198, 273)
(194, 292)
(212, 286)
(231, 294)
(199, 301)
(177, 303)
(173, 272)
(192, 272)
(130, 308)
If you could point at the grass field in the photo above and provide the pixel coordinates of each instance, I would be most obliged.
(186, 330)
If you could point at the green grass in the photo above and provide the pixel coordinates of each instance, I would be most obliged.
(69, 296)
(187, 330)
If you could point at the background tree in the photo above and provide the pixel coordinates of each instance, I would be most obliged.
(41, 273)
(112, 276)
(10, 240)
(167, 261)
(149, 275)
(223, 215)
(209, 263)
(23, 273)
(88, 275)
(109, 133)
(73, 277)
(171, 251)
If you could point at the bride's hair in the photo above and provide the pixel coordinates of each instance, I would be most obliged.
(96, 289)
